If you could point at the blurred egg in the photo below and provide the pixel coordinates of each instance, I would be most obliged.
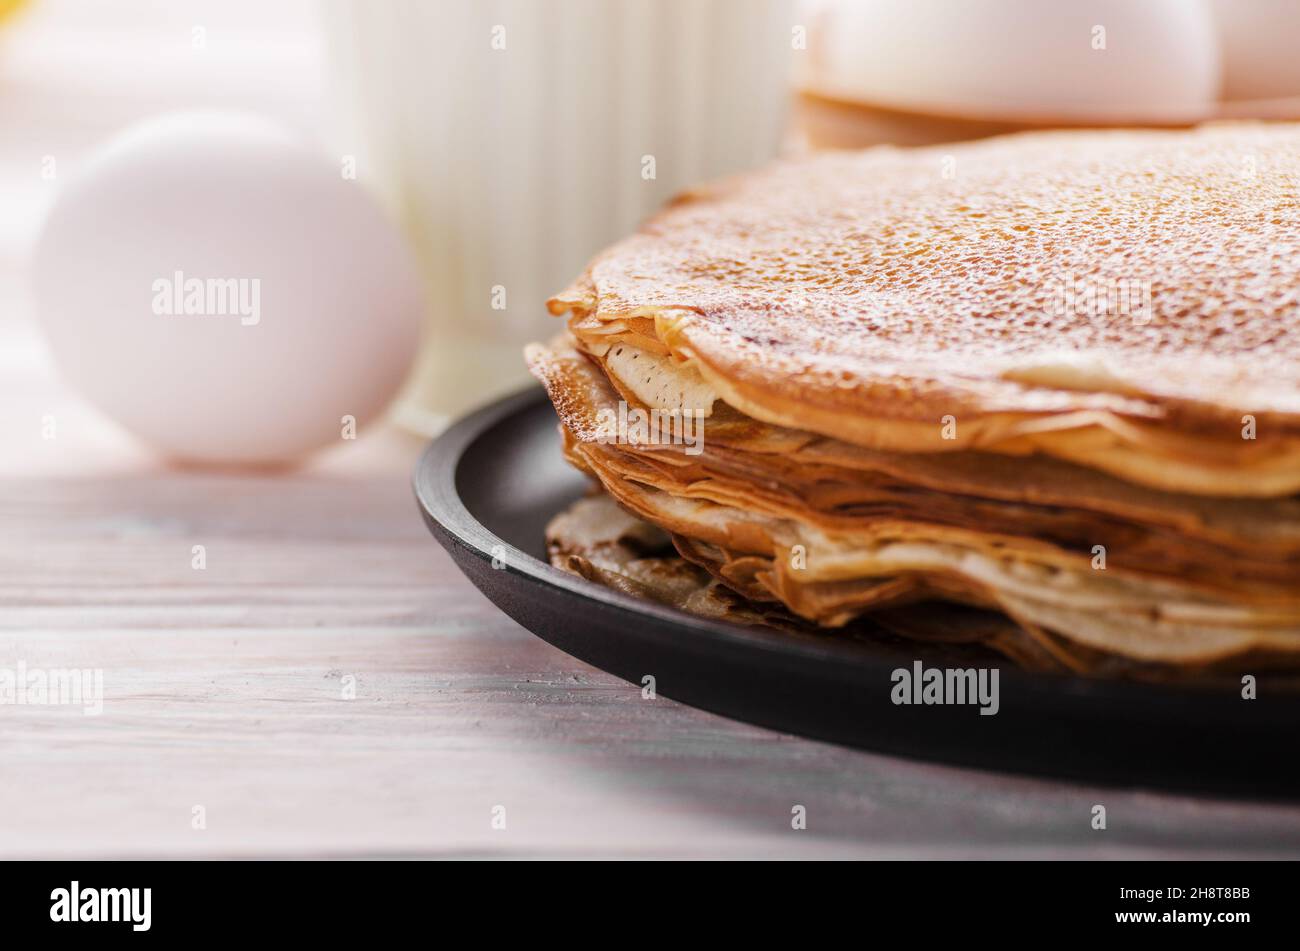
(224, 292)
(1092, 60)
(1259, 41)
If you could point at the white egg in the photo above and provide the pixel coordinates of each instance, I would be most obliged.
(1259, 40)
(1091, 60)
(225, 292)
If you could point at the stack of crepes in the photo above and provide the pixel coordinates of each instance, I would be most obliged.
(1040, 391)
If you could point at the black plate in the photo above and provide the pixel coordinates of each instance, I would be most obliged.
(489, 484)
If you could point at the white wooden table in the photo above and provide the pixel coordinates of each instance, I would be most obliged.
(224, 688)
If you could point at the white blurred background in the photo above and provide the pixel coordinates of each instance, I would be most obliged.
(511, 168)
(503, 170)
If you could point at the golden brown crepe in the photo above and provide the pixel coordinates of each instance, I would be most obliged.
(829, 324)
(597, 540)
(1182, 581)
(869, 296)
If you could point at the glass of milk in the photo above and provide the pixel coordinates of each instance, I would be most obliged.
(516, 138)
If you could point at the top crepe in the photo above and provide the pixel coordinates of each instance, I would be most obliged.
(877, 296)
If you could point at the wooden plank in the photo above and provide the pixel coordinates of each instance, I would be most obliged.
(224, 689)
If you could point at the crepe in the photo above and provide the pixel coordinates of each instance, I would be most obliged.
(1228, 543)
(860, 407)
(595, 539)
(936, 300)
(1000, 555)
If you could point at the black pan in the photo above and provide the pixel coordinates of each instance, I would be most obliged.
(489, 484)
